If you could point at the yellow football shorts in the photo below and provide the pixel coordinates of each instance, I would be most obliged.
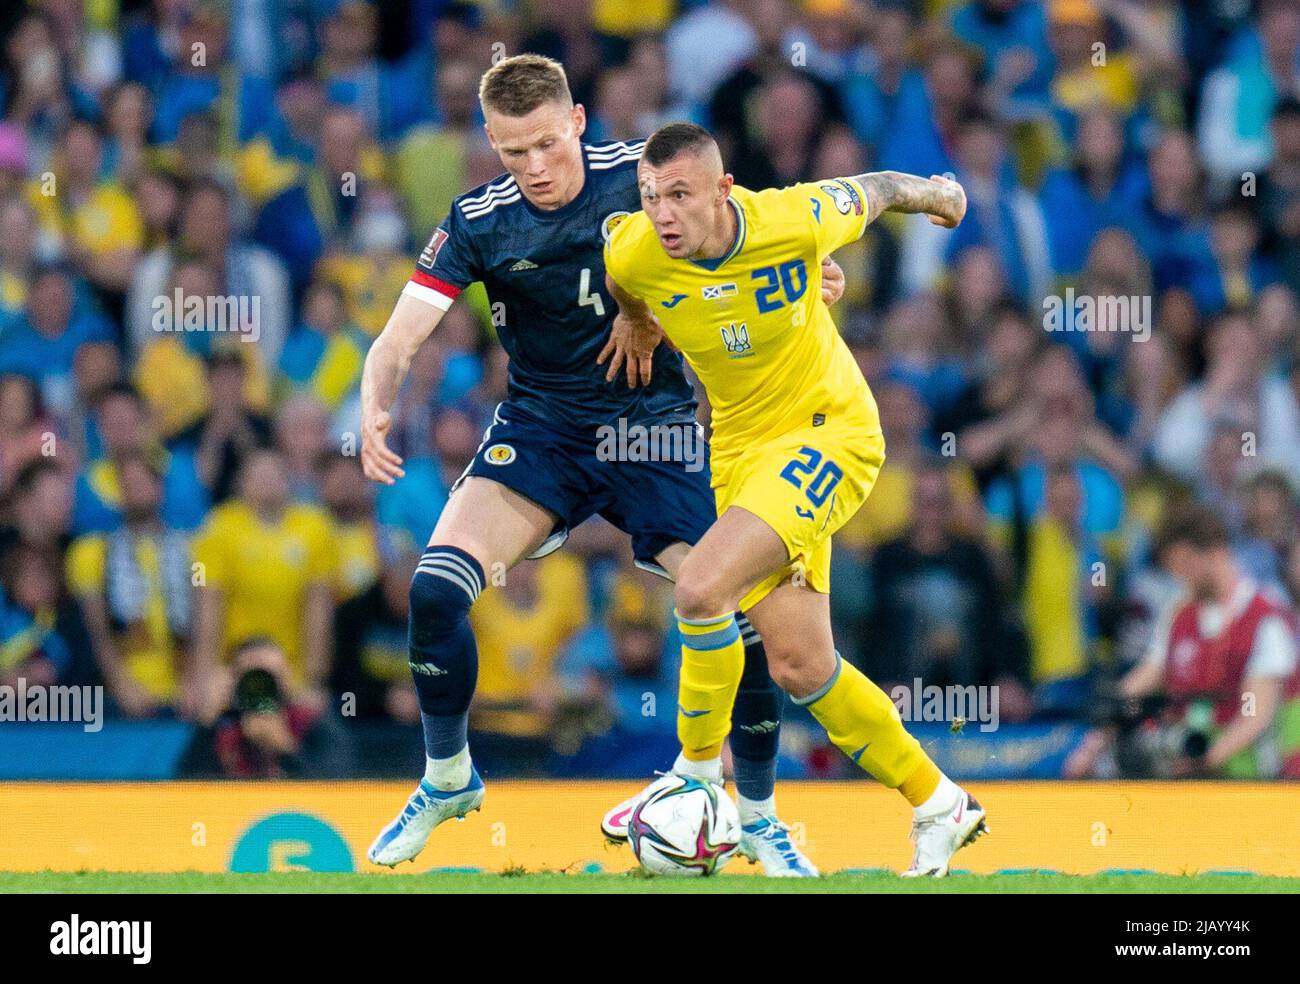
(805, 485)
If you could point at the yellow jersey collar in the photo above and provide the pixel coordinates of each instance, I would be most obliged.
(736, 246)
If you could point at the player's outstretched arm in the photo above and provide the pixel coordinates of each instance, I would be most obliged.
(633, 337)
(940, 198)
(411, 322)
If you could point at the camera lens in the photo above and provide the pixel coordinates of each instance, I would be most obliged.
(1196, 744)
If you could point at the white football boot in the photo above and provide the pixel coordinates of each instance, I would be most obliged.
(942, 835)
(767, 841)
(405, 837)
(614, 823)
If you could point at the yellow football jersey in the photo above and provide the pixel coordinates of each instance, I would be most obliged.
(752, 324)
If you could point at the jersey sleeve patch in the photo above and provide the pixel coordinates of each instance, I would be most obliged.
(429, 255)
(447, 264)
(844, 194)
(837, 209)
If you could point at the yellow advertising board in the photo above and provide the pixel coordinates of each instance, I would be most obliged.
(1076, 828)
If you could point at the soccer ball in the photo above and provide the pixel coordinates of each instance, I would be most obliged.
(684, 827)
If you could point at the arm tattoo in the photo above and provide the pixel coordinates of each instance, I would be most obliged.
(893, 191)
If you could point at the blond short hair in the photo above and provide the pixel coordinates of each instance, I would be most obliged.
(517, 85)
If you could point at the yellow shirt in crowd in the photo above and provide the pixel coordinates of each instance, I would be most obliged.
(105, 222)
(518, 646)
(150, 652)
(264, 571)
(358, 558)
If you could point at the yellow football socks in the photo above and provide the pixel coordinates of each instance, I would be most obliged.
(864, 723)
(921, 784)
(713, 659)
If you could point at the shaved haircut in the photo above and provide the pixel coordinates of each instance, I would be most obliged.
(674, 139)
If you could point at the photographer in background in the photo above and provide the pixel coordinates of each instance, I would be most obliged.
(265, 733)
(268, 569)
(1217, 686)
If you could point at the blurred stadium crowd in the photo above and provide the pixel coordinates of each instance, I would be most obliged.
(185, 519)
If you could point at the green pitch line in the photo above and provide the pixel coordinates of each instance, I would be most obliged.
(316, 883)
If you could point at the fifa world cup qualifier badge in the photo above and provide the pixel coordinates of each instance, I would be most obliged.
(499, 454)
(844, 195)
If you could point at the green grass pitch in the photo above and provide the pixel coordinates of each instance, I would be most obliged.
(884, 883)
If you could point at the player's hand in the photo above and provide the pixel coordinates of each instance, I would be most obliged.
(832, 282)
(631, 347)
(378, 461)
(955, 209)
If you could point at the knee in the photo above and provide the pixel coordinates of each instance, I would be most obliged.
(700, 593)
(784, 664)
(432, 598)
(445, 585)
(794, 668)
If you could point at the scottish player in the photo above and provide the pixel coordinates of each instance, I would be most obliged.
(796, 441)
(535, 237)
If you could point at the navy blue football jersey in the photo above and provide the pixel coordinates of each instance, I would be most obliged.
(545, 277)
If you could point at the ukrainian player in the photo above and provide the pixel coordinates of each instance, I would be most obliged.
(733, 278)
(534, 238)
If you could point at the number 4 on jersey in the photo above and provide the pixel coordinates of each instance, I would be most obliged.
(586, 297)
